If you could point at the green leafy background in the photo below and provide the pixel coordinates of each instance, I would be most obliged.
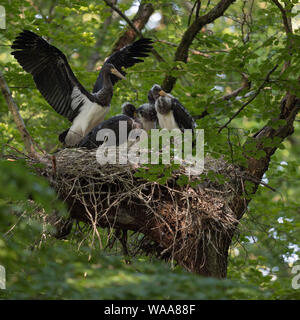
(266, 246)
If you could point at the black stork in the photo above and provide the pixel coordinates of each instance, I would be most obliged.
(129, 110)
(171, 114)
(146, 115)
(90, 141)
(57, 83)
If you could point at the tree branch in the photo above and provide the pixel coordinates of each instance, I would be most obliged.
(122, 15)
(196, 52)
(181, 53)
(246, 84)
(13, 108)
(95, 56)
(137, 24)
(289, 108)
(286, 21)
(251, 99)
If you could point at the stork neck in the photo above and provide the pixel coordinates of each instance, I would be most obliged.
(104, 95)
(107, 81)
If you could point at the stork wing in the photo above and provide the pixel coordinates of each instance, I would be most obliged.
(51, 73)
(182, 116)
(125, 57)
(90, 140)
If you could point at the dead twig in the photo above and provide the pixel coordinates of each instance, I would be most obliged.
(251, 99)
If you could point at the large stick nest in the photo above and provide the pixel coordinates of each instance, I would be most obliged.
(178, 220)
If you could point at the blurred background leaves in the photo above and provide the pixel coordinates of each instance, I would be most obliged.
(249, 38)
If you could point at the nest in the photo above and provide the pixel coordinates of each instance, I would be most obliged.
(171, 221)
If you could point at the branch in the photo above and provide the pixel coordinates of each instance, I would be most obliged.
(181, 53)
(289, 108)
(251, 99)
(193, 51)
(246, 84)
(13, 108)
(95, 56)
(286, 21)
(137, 24)
(121, 14)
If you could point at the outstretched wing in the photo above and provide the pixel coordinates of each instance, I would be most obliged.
(182, 116)
(125, 57)
(51, 73)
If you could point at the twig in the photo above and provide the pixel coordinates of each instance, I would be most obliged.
(131, 24)
(251, 99)
(191, 13)
(246, 84)
(182, 51)
(13, 108)
(193, 51)
(95, 56)
(259, 181)
(286, 21)
(121, 14)
(247, 21)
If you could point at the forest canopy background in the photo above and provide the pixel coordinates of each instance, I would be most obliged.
(250, 39)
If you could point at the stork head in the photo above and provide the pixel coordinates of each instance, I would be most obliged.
(146, 112)
(110, 68)
(153, 93)
(163, 104)
(129, 110)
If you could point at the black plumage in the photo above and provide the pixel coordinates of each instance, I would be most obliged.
(90, 141)
(59, 86)
(126, 57)
(171, 113)
(153, 93)
(129, 112)
(146, 114)
(51, 72)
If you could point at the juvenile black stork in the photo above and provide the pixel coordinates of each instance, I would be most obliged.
(171, 114)
(90, 141)
(146, 115)
(129, 110)
(57, 83)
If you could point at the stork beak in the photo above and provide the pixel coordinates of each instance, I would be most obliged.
(162, 93)
(117, 73)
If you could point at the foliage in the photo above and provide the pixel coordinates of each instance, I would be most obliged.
(267, 244)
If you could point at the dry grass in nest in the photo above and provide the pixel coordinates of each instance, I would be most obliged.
(176, 220)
